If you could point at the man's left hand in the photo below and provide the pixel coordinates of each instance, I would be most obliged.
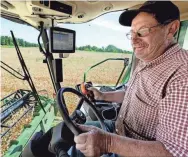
(93, 142)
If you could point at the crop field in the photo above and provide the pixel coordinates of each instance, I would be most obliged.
(73, 71)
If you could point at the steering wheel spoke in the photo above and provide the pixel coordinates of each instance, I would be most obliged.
(80, 103)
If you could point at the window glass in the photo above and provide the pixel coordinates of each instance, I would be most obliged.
(96, 41)
(185, 43)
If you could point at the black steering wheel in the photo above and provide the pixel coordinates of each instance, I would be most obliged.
(65, 114)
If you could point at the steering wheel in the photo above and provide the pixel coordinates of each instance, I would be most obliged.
(65, 114)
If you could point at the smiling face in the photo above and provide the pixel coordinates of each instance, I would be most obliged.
(151, 46)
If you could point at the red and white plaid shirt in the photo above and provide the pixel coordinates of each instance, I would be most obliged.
(155, 105)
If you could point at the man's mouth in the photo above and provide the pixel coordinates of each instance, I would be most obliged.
(138, 48)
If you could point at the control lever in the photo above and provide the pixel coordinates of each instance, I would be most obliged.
(84, 89)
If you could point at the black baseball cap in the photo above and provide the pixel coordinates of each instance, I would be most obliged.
(164, 12)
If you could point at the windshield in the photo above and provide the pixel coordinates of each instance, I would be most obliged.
(96, 40)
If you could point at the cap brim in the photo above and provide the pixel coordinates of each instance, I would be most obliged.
(126, 17)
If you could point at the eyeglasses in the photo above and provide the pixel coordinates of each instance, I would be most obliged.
(141, 32)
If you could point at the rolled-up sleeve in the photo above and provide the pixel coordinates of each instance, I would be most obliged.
(172, 129)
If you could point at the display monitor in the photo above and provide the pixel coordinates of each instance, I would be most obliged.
(61, 40)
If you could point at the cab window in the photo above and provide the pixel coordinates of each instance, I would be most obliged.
(183, 35)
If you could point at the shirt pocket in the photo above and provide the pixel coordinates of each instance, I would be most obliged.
(146, 99)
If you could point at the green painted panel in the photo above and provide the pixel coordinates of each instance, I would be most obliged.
(41, 122)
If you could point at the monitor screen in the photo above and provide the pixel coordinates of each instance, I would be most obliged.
(62, 40)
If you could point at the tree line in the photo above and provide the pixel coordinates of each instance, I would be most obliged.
(109, 48)
(7, 41)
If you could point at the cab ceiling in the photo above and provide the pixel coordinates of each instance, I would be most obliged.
(32, 12)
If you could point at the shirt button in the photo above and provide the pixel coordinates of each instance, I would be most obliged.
(116, 130)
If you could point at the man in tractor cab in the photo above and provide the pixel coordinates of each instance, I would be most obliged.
(153, 119)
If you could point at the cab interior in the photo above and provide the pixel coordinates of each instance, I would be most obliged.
(45, 14)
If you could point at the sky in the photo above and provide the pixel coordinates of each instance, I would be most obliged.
(102, 31)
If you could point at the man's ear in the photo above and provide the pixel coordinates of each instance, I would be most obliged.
(173, 28)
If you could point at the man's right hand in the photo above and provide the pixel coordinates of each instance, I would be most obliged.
(98, 95)
(114, 96)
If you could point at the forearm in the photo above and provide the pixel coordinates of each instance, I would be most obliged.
(116, 96)
(124, 146)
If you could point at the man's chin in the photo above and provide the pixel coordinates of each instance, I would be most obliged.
(138, 53)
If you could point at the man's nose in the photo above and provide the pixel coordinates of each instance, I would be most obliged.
(134, 38)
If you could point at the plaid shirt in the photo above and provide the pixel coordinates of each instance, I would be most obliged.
(155, 105)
